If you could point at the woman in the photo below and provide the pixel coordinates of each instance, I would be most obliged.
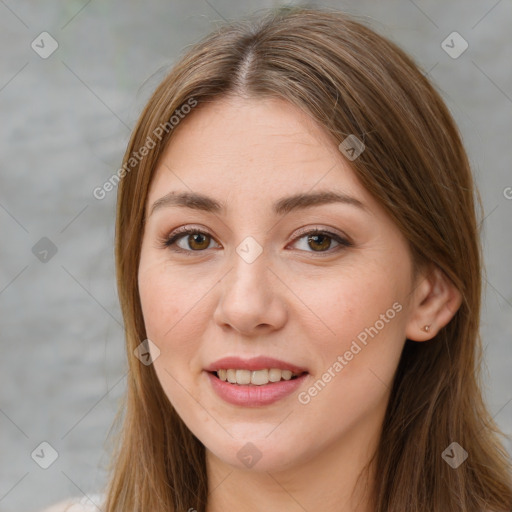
(299, 269)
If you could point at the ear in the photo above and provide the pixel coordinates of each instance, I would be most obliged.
(435, 301)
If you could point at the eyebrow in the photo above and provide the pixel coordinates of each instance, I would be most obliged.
(282, 206)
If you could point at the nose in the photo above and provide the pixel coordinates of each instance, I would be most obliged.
(251, 297)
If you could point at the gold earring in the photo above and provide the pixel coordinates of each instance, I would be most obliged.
(426, 328)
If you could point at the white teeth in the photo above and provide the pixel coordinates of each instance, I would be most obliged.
(255, 377)
(243, 377)
(274, 375)
(286, 374)
(259, 377)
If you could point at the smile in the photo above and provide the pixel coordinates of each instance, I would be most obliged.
(255, 395)
(254, 377)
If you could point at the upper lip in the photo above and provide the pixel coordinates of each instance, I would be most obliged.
(254, 363)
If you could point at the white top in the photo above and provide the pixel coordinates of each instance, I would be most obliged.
(90, 503)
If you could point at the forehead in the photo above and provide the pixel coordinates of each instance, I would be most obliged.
(252, 148)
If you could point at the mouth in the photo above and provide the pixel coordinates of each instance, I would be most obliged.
(255, 388)
(263, 377)
(254, 382)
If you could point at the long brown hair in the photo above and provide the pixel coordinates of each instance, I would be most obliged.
(351, 81)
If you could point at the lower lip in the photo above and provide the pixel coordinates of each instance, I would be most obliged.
(253, 396)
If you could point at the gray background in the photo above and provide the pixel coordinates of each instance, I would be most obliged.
(65, 123)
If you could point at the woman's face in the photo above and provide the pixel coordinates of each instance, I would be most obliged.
(252, 282)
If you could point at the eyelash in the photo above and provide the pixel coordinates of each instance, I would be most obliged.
(170, 241)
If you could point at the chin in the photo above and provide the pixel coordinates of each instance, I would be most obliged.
(258, 454)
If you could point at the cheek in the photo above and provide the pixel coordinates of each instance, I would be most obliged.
(158, 306)
(352, 305)
(171, 312)
(363, 341)
(363, 321)
(171, 323)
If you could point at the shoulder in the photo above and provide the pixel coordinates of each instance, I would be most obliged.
(92, 503)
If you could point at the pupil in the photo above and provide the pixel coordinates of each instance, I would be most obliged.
(315, 239)
(195, 241)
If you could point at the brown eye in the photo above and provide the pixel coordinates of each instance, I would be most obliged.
(197, 241)
(188, 240)
(317, 241)
(322, 242)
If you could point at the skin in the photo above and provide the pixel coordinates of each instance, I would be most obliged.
(294, 303)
